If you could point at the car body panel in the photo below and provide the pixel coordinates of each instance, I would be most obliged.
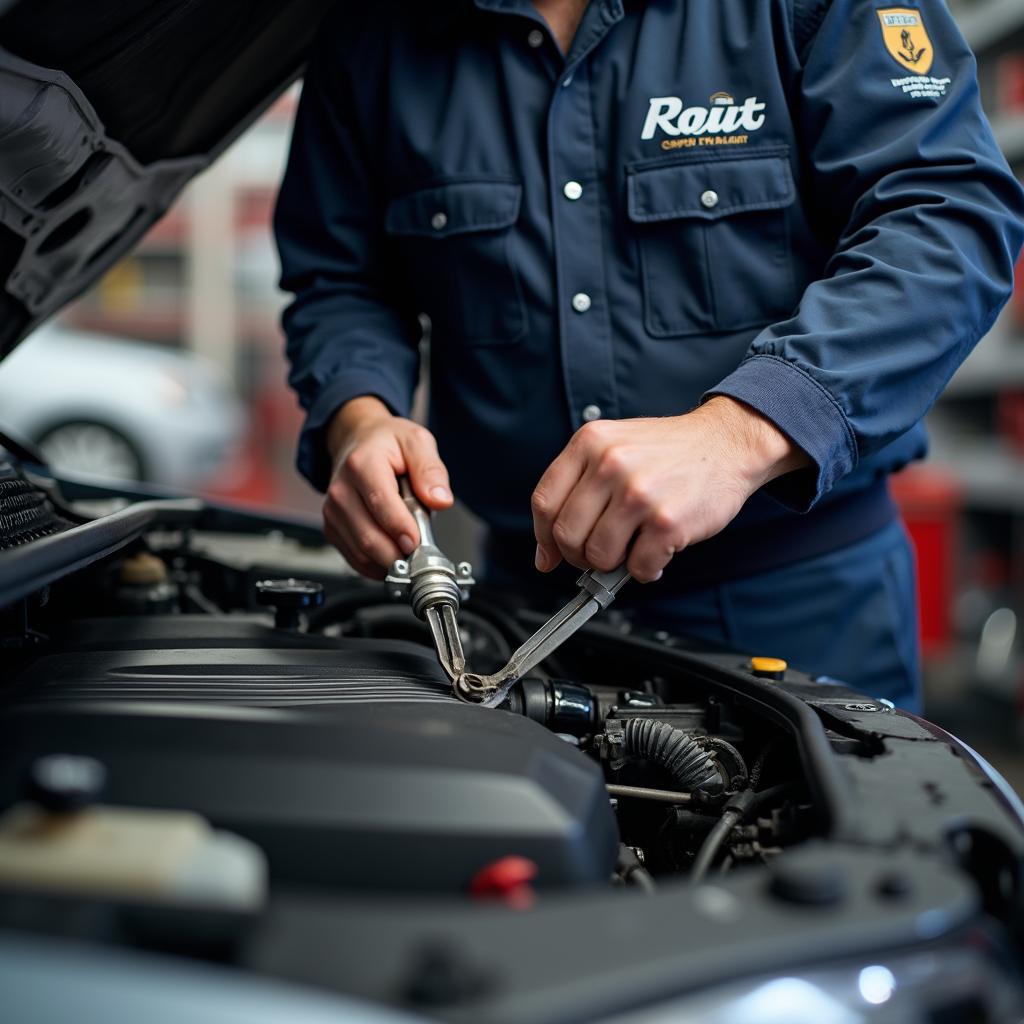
(180, 416)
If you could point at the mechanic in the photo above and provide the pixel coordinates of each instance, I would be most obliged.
(694, 272)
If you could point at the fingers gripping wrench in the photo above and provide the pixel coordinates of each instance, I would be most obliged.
(434, 586)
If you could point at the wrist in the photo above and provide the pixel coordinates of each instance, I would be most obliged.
(761, 450)
(353, 416)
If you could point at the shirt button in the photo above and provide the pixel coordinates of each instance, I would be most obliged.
(535, 38)
(567, 81)
(709, 199)
(438, 221)
(572, 190)
(591, 413)
(581, 302)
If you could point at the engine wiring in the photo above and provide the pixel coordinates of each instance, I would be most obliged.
(675, 766)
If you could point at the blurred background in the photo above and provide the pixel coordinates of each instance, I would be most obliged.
(172, 371)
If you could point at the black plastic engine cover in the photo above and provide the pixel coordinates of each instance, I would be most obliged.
(410, 794)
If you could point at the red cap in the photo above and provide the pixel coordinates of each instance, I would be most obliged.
(507, 881)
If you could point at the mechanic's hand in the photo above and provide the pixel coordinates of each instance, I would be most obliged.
(364, 516)
(668, 482)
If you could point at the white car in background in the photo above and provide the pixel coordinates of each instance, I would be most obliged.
(120, 409)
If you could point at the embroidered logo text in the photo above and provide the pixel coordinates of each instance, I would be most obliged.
(722, 117)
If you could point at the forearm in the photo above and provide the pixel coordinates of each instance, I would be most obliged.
(348, 332)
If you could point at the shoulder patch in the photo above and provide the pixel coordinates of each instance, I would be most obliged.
(906, 38)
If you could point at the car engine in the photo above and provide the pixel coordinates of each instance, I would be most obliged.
(334, 743)
(219, 745)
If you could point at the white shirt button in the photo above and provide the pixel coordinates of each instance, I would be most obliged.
(581, 302)
(591, 413)
(535, 38)
(709, 199)
(438, 221)
(567, 81)
(572, 189)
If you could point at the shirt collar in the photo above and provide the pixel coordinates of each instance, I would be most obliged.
(613, 7)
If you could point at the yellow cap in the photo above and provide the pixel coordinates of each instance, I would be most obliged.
(143, 569)
(768, 666)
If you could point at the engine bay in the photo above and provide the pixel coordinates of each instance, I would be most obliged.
(284, 782)
(599, 772)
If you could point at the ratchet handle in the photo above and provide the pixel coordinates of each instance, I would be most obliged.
(419, 511)
(408, 496)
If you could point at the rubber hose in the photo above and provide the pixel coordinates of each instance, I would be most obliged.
(712, 844)
(676, 751)
(736, 810)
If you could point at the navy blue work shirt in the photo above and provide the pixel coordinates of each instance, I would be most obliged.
(798, 203)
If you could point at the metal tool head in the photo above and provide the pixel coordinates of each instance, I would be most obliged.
(434, 586)
(597, 591)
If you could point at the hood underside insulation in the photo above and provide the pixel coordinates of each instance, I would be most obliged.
(107, 109)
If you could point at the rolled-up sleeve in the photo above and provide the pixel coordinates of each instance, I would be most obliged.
(347, 333)
(903, 169)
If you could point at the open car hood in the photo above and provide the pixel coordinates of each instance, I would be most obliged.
(107, 110)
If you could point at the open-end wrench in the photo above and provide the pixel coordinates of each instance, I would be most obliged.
(597, 591)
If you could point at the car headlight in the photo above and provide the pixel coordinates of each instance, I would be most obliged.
(918, 985)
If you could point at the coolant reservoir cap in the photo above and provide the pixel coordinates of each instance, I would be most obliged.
(768, 668)
(143, 569)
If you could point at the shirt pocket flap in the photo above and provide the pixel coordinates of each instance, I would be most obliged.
(454, 208)
(710, 188)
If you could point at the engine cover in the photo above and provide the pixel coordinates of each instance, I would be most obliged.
(366, 775)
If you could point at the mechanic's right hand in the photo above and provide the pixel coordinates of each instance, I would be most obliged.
(364, 516)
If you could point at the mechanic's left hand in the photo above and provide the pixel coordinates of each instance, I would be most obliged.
(668, 482)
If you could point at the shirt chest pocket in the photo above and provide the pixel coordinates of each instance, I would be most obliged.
(713, 241)
(454, 240)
